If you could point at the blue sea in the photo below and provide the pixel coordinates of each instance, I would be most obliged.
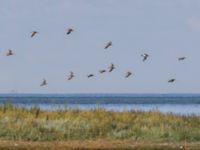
(181, 104)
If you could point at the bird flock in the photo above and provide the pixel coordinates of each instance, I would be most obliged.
(112, 67)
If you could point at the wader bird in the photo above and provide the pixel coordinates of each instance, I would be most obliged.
(102, 71)
(181, 58)
(69, 31)
(9, 53)
(171, 80)
(44, 82)
(71, 76)
(145, 56)
(90, 75)
(128, 74)
(34, 33)
(111, 68)
(108, 45)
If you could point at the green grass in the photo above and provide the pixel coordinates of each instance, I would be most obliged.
(73, 124)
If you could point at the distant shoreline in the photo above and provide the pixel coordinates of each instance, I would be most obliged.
(182, 105)
(101, 94)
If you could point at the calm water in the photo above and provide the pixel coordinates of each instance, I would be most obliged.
(179, 104)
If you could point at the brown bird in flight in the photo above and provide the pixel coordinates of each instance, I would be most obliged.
(90, 75)
(181, 58)
(102, 71)
(9, 53)
(108, 45)
(71, 75)
(69, 31)
(145, 56)
(171, 80)
(128, 74)
(44, 82)
(34, 33)
(112, 67)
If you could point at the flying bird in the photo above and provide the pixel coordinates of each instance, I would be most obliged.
(145, 56)
(181, 58)
(171, 80)
(71, 75)
(9, 53)
(128, 74)
(69, 31)
(112, 67)
(90, 75)
(108, 45)
(34, 33)
(102, 71)
(44, 82)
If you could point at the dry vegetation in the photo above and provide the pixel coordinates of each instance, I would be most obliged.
(21, 124)
(100, 144)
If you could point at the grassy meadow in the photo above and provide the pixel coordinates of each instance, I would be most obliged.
(21, 124)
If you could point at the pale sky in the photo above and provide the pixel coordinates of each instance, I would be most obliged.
(165, 29)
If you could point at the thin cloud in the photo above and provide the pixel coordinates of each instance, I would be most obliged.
(194, 23)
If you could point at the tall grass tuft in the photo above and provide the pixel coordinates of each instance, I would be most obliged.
(47, 117)
(37, 112)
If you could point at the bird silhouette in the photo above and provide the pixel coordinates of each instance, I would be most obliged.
(44, 82)
(9, 53)
(112, 67)
(128, 74)
(145, 56)
(90, 75)
(108, 45)
(181, 58)
(102, 71)
(71, 75)
(69, 31)
(34, 33)
(171, 80)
